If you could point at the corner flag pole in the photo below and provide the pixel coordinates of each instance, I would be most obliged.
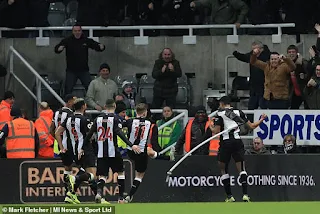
(169, 173)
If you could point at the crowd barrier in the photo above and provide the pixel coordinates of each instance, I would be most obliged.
(271, 178)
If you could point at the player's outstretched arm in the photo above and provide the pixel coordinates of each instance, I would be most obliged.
(256, 124)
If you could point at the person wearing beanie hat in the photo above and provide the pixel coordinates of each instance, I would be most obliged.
(20, 142)
(129, 97)
(101, 89)
(194, 133)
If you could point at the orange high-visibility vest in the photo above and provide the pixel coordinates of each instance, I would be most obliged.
(20, 140)
(5, 117)
(150, 136)
(214, 144)
(42, 125)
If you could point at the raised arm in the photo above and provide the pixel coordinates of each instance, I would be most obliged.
(291, 65)
(255, 62)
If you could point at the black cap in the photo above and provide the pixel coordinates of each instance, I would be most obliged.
(104, 65)
(68, 97)
(120, 107)
(201, 109)
(16, 112)
(8, 95)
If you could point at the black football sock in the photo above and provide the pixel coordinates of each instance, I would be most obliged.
(94, 186)
(135, 186)
(244, 184)
(100, 186)
(121, 184)
(226, 184)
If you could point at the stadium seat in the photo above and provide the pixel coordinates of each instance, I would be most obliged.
(72, 9)
(146, 88)
(57, 15)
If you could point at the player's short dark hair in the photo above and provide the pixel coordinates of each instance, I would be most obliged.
(226, 100)
(110, 103)
(8, 95)
(141, 108)
(274, 53)
(69, 97)
(78, 103)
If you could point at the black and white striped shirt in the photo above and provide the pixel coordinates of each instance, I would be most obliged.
(77, 126)
(138, 132)
(59, 117)
(228, 118)
(107, 126)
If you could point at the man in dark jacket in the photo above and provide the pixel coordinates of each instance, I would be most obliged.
(166, 70)
(198, 134)
(298, 77)
(257, 148)
(256, 75)
(77, 47)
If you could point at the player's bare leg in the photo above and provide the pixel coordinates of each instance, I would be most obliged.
(243, 180)
(121, 184)
(136, 183)
(225, 177)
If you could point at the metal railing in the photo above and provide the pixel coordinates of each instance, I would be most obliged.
(39, 80)
(141, 29)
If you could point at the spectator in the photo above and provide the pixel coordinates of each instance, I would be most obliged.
(312, 91)
(256, 74)
(93, 13)
(5, 108)
(42, 125)
(263, 12)
(166, 70)
(170, 133)
(314, 55)
(224, 12)
(289, 145)
(298, 77)
(101, 89)
(257, 148)
(176, 12)
(20, 141)
(143, 12)
(129, 95)
(14, 14)
(195, 132)
(77, 47)
(276, 90)
(39, 10)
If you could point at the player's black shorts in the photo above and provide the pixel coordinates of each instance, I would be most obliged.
(231, 147)
(103, 165)
(140, 160)
(87, 160)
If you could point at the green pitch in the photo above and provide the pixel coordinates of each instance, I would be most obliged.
(221, 208)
